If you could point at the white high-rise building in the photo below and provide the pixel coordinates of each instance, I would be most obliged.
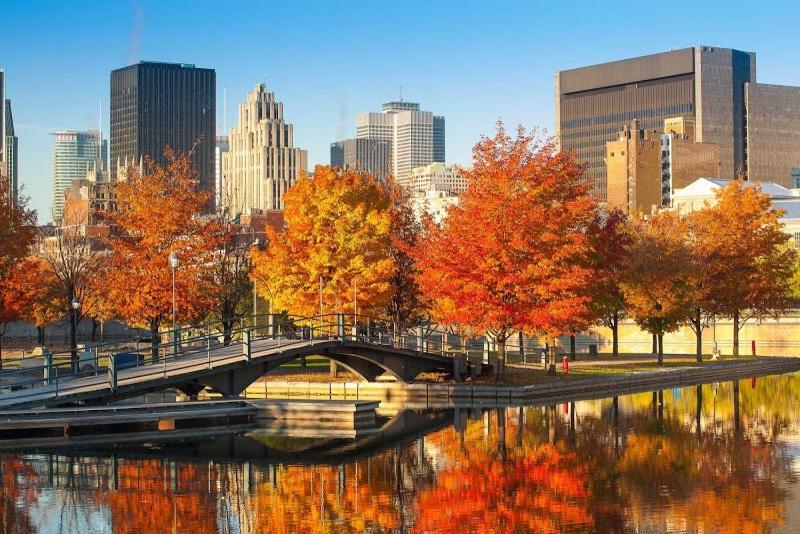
(437, 177)
(74, 153)
(416, 137)
(261, 162)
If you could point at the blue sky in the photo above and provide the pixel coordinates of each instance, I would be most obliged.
(472, 61)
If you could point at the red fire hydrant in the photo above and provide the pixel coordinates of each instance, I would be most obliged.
(753, 346)
(565, 365)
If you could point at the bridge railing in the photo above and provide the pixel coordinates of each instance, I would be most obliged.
(201, 346)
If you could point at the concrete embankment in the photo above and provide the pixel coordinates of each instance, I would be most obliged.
(436, 395)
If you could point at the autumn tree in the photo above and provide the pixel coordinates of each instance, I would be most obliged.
(75, 266)
(229, 275)
(406, 304)
(157, 215)
(17, 234)
(32, 289)
(657, 286)
(744, 255)
(334, 255)
(610, 240)
(514, 254)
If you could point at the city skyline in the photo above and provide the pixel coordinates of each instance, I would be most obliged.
(326, 91)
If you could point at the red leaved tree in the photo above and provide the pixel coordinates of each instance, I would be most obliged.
(514, 255)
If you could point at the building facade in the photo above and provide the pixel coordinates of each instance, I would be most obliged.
(262, 161)
(11, 152)
(365, 154)
(417, 137)
(437, 177)
(715, 87)
(74, 154)
(220, 148)
(158, 105)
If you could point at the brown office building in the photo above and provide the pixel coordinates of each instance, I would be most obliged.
(715, 87)
(644, 167)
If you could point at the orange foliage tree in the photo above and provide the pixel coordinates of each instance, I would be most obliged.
(658, 285)
(610, 242)
(17, 232)
(745, 260)
(514, 255)
(157, 214)
(334, 252)
(31, 290)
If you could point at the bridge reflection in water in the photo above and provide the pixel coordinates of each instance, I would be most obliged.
(714, 458)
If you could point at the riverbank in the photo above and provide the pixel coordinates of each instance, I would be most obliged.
(590, 380)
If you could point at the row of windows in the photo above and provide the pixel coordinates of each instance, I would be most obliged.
(628, 116)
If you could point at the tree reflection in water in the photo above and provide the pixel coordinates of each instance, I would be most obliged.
(711, 458)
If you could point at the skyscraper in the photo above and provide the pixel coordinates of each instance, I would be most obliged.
(704, 83)
(416, 137)
(367, 155)
(262, 161)
(74, 153)
(11, 152)
(155, 105)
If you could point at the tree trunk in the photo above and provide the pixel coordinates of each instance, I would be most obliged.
(572, 352)
(698, 334)
(227, 332)
(40, 334)
(501, 356)
(615, 334)
(154, 341)
(334, 370)
(1, 352)
(521, 347)
(94, 329)
(660, 342)
(736, 333)
(655, 344)
(551, 357)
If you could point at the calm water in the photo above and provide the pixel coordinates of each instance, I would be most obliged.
(708, 459)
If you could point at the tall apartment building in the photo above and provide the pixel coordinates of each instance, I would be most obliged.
(220, 148)
(74, 154)
(155, 105)
(716, 87)
(262, 161)
(644, 167)
(417, 137)
(365, 154)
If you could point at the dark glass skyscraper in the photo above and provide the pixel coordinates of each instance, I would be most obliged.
(155, 105)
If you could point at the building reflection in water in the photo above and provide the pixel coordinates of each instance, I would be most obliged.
(705, 458)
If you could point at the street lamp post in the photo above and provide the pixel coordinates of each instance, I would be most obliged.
(75, 305)
(255, 288)
(173, 263)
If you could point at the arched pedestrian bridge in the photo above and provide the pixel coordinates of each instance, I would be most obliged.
(196, 359)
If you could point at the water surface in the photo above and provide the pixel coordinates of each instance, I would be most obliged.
(717, 458)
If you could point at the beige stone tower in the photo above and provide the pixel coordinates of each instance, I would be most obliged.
(634, 170)
(261, 162)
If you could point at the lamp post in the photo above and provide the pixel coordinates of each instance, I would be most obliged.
(255, 288)
(75, 305)
(173, 263)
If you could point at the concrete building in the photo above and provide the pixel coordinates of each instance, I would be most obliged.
(715, 87)
(155, 105)
(84, 203)
(634, 170)
(433, 203)
(365, 154)
(74, 153)
(220, 148)
(644, 167)
(702, 192)
(437, 177)
(11, 152)
(262, 161)
(417, 137)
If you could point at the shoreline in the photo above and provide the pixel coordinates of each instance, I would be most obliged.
(579, 387)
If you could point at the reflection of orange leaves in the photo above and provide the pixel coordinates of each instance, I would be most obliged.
(309, 500)
(543, 489)
(146, 499)
(17, 495)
